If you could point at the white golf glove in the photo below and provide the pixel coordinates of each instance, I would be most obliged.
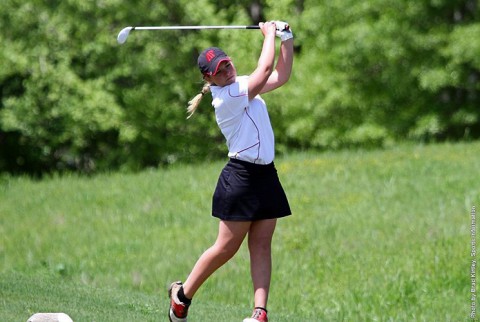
(283, 30)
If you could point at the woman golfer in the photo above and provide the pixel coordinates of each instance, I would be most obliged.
(248, 198)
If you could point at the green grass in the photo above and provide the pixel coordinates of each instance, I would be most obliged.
(375, 236)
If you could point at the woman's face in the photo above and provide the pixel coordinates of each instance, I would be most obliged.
(226, 74)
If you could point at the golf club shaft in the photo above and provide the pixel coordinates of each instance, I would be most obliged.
(194, 27)
(122, 36)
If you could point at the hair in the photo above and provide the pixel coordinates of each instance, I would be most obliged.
(194, 102)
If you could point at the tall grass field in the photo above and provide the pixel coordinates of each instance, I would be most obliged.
(383, 235)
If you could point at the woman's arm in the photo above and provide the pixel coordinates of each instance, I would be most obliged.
(283, 69)
(260, 76)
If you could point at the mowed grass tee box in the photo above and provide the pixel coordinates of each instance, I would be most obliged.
(375, 235)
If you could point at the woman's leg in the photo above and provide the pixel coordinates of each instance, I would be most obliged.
(259, 245)
(230, 237)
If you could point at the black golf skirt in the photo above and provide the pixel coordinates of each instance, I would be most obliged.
(249, 192)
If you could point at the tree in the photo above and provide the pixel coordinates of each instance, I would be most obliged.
(365, 74)
(376, 72)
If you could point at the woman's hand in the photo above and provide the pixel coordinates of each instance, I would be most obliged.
(268, 28)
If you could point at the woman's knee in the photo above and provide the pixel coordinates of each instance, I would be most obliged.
(260, 245)
(261, 234)
(226, 249)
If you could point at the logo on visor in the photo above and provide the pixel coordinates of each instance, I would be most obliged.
(210, 55)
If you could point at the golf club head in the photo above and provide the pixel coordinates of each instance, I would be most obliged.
(123, 34)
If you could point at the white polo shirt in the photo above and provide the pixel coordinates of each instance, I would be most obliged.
(245, 125)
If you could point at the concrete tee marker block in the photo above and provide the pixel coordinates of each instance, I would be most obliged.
(50, 317)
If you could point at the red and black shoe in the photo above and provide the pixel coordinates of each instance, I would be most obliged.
(178, 310)
(259, 315)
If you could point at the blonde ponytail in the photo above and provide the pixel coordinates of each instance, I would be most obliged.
(194, 102)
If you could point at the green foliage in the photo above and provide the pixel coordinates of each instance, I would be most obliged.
(380, 65)
(365, 74)
(60, 109)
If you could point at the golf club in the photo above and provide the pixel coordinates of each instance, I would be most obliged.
(123, 34)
